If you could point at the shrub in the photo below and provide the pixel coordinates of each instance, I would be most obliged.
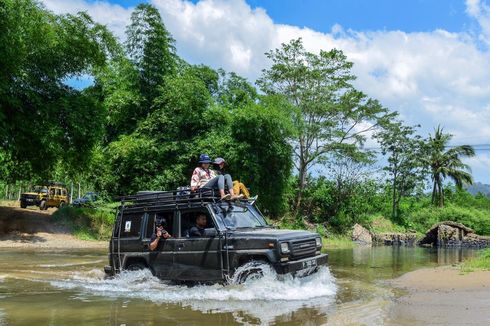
(87, 223)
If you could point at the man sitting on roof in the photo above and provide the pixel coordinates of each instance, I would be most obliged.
(203, 177)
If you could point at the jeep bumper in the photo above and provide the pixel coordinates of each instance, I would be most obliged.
(302, 267)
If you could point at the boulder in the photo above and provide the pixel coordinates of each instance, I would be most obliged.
(453, 234)
(361, 235)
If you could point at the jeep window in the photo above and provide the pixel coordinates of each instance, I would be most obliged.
(131, 226)
(188, 220)
(51, 192)
(58, 192)
(64, 192)
(150, 227)
(236, 217)
(39, 189)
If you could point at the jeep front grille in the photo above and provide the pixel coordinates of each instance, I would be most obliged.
(303, 248)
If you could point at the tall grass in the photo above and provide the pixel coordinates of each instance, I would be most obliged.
(87, 223)
(482, 262)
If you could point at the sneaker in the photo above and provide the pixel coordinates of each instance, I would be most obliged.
(226, 197)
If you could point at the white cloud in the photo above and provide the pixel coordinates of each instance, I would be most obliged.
(114, 16)
(431, 78)
(481, 12)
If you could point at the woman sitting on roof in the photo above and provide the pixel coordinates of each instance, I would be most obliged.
(203, 177)
(238, 187)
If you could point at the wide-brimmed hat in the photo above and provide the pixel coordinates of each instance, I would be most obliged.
(204, 158)
(219, 160)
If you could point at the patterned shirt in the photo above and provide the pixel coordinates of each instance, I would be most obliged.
(201, 176)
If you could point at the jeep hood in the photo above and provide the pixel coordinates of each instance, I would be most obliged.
(267, 233)
(30, 193)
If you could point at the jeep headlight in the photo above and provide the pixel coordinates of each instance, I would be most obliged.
(285, 248)
(319, 242)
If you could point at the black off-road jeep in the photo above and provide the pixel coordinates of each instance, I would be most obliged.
(236, 235)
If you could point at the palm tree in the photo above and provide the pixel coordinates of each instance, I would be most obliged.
(446, 163)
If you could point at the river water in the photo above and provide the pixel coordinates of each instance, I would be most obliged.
(68, 288)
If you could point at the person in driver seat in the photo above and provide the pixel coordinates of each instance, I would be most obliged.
(198, 229)
(160, 232)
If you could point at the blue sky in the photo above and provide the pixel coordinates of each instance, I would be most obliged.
(321, 15)
(427, 59)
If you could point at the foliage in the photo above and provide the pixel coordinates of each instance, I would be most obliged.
(447, 163)
(341, 206)
(331, 116)
(38, 112)
(403, 150)
(151, 49)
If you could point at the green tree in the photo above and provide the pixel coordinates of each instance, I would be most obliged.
(331, 116)
(151, 48)
(445, 162)
(42, 120)
(403, 149)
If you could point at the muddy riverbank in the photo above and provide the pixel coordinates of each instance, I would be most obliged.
(443, 296)
(31, 228)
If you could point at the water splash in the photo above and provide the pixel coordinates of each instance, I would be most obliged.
(265, 298)
(142, 284)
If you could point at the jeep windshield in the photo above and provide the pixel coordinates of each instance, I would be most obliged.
(39, 189)
(237, 217)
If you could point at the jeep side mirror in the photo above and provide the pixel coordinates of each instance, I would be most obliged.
(210, 232)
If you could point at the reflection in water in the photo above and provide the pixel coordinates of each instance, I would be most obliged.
(58, 288)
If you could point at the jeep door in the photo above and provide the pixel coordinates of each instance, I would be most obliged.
(51, 197)
(196, 258)
(160, 260)
(126, 241)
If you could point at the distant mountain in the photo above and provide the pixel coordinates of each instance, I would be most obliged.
(479, 187)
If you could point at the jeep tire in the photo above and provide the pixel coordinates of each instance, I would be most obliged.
(23, 204)
(254, 270)
(43, 205)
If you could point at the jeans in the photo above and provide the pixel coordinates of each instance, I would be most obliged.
(219, 182)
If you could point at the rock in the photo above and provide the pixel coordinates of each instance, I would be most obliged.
(361, 235)
(395, 239)
(453, 234)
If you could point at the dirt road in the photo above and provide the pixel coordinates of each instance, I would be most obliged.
(33, 228)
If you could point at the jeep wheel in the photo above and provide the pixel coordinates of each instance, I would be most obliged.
(62, 204)
(43, 205)
(252, 270)
(23, 204)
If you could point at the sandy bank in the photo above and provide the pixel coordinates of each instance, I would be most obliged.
(45, 240)
(32, 228)
(442, 296)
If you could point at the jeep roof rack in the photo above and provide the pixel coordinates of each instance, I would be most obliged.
(178, 198)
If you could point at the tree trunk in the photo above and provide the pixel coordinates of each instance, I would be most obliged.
(393, 208)
(441, 193)
(434, 190)
(301, 184)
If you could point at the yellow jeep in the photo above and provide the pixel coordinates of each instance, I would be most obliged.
(51, 195)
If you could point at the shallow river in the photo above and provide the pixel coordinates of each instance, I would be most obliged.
(68, 288)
